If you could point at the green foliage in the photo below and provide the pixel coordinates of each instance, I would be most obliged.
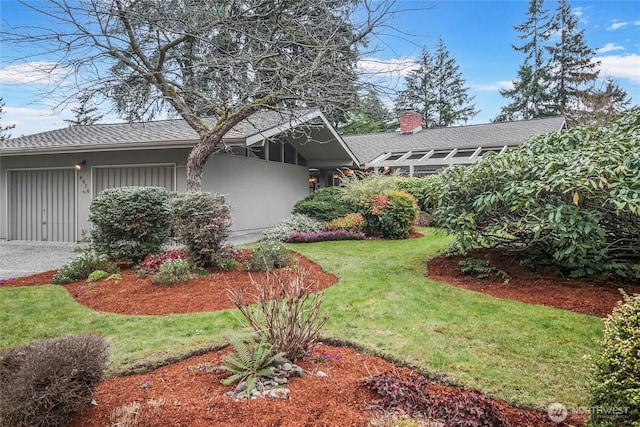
(97, 275)
(420, 188)
(45, 383)
(248, 362)
(569, 198)
(392, 216)
(201, 222)
(151, 264)
(359, 188)
(323, 204)
(296, 223)
(287, 315)
(172, 271)
(351, 222)
(81, 266)
(130, 223)
(268, 255)
(482, 268)
(616, 385)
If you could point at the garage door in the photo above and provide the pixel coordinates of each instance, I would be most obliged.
(42, 205)
(142, 176)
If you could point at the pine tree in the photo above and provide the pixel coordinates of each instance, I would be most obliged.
(437, 90)
(3, 129)
(84, 113)
(530, 94)
(370, 116)
(572, 65)
(599, 105)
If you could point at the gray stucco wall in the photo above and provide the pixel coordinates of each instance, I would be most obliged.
(260, 192)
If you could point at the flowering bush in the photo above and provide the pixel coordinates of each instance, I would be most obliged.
(350, 222)
(391, 216)
(295, 223)
(325, 236)
(151, 264)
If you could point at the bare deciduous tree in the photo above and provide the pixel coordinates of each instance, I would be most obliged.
(222, 60)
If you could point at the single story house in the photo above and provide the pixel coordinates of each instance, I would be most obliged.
(268, 162)
(47, 180)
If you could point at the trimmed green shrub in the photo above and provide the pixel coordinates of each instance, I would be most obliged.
(201, 222)
(359, 188)
(172, 271)
(391, 216)
(569, 199)
(295, 223)
(46, 382)
(268, 255)
(616, 385)
(81, 266)
(420, 188)
(130, 223)
(351, 222)
(323, 204)
(97, 275)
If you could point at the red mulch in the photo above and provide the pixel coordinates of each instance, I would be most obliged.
(181, 397)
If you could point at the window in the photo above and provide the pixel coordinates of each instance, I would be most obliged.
(289, 154)
(275, 151)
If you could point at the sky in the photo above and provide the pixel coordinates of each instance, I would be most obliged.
(478, 33)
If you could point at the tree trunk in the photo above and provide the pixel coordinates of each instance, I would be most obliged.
(197, 159)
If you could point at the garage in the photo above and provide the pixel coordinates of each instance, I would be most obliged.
(156, 175)
(42, 205)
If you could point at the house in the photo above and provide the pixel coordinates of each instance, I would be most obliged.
(267, 163)
(48, 180)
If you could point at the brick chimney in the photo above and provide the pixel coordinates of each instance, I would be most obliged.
(410, 122)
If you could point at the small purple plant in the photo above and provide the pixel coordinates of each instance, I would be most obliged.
(146, 384)
(322, 236)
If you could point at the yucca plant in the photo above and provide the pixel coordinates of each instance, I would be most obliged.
(248, 362)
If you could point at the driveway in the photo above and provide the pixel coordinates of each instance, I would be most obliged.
(21, 258)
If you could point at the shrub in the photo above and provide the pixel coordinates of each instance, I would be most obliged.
(97, 275)
(616, 385)
(287, 315)
(151, 264)
(202, 222)
(568, 198)
(459, 407)
(269, 255)
(324, 204)
(325, 236)
(295, 223)
(46, 382)
(81, 266)
(172, 271)
(351, 222)
(360, 187)
(130, 223)
(420, 188)
(483, 269)
(393, 215)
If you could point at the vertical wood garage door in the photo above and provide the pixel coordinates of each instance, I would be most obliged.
(140, 176)
(42, 205)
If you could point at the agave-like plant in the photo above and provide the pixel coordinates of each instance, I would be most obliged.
(248, 362)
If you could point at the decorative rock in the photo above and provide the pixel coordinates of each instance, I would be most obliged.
(321, 374)
(242, 385)
(278, 393)
(287, 367)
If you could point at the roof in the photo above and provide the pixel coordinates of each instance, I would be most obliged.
(369, 147)
(165, 133)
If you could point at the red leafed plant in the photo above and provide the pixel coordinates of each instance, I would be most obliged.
(151, 264)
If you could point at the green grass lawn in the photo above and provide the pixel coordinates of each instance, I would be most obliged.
(524, 354)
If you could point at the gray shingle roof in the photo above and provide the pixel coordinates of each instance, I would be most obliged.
(152, 134)
(368, 147)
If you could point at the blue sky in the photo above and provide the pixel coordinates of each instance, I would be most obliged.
(478, 34)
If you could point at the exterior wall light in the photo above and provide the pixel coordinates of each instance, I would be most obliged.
(79, 165)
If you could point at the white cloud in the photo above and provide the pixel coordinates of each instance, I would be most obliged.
(609, 47)
(617, 25)
(491, 87)
(391, 67)
(31, 72)
(621, 66)
(31, 120)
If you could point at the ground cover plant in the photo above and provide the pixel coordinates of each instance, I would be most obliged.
(529, 355)
(569, 199)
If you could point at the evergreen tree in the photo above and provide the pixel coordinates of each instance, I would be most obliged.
(437, 90)
(530, 94)
(370, 116)
(599, 105)
(84, 113)
(572, 65)
(3, 129)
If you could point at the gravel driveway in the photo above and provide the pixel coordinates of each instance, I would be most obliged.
(21, 258)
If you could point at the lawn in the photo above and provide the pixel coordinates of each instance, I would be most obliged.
(524, 354)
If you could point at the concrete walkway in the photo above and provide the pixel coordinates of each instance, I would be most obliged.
(20, 258)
